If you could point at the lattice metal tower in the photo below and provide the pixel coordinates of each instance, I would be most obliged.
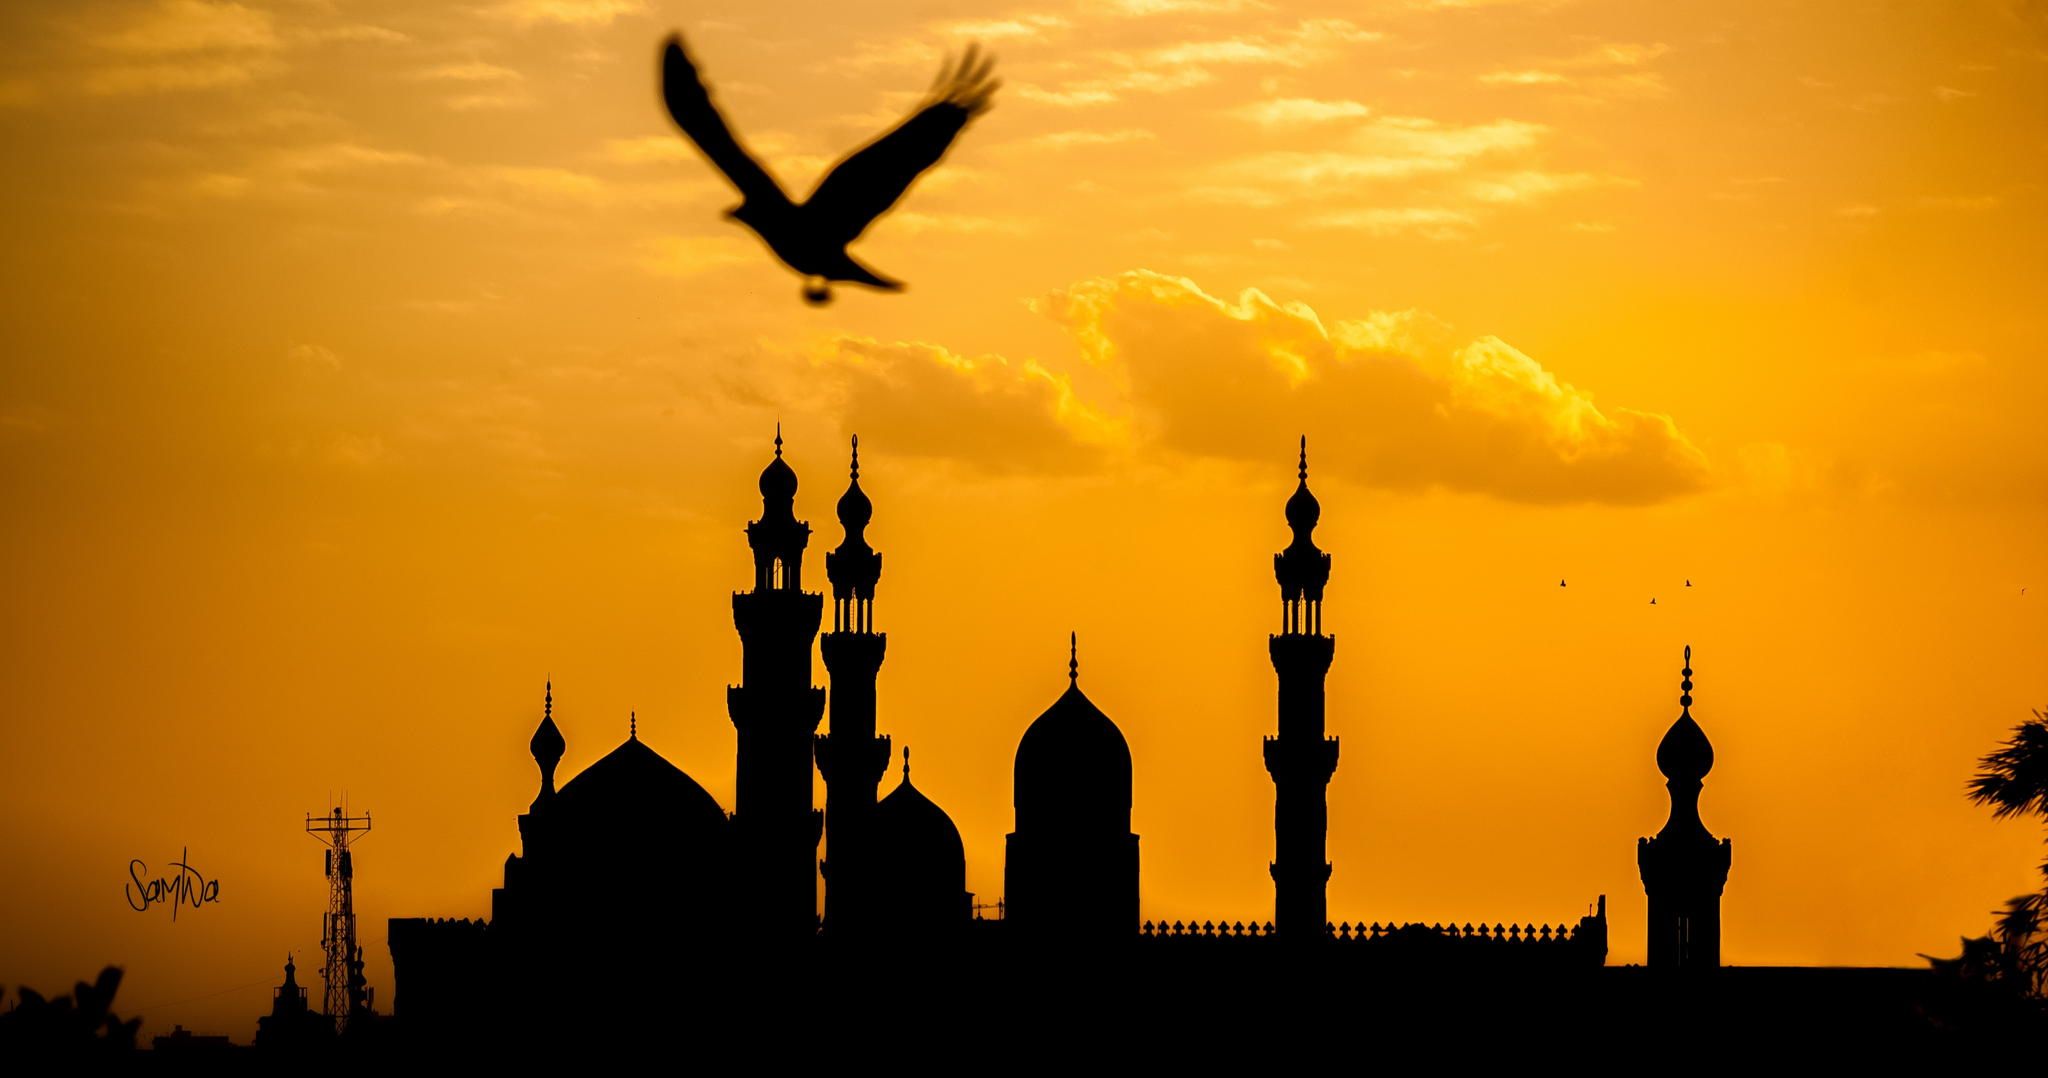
(337, 830)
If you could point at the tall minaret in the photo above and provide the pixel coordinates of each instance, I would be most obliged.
(1301, 760)
(1684, 867)
(776, 711)
(850, 756)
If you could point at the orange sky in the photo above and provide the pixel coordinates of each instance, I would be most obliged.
(366, 363)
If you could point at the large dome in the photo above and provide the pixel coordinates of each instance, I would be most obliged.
(1073, 770)
(633, 787)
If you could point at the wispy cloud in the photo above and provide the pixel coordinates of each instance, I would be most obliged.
(470, 71)
(1429, 222)
(563, 12)
(1299, 111)
(1064, 140)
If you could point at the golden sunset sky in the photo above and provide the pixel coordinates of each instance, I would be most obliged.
(368, 363)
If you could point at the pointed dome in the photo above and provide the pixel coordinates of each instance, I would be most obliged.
(916, 832)
(778, 479)
(1303, 511)
(1685, 754)
(855, 510)
(547, 744)
(1073, 767)
(632, 785)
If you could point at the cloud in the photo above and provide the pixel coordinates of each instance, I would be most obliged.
(473, 71)
(1390, 399)
(1062, 140)
(171, 27)
(1529, 185)
(985, 411)
(1180, 65)
(564, 12)
(1299, 112)
(1429, 222)
(1014, 28)
(175, 75)
(1142, 8)
(1522, 78)
(1389, 147)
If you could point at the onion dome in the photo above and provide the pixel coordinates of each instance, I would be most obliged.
(854, 567)
(633, 785)
(1685, 754)
(1302, 569)
(778, 479)
(1073, 766)
(547, 745)
(916, 835)
(855, 510)
(1302, 509)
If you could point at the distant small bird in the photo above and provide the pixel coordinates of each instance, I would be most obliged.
(1653, 602)
(1560, 583)
(811, 236)
(1688, 583)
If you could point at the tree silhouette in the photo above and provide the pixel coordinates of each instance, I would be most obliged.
(2013, 780)
(82, 1023)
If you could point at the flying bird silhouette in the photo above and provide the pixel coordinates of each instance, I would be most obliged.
(1560, 583)
(811, 236)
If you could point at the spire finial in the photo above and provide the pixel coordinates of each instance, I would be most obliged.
(906, 763)
(856, 458)
(1304, 458)
(632, 725)
(1685, 686)
(778, 438)
(547, 707)
(1074, 657)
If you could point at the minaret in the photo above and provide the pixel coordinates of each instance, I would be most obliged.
(850, 756)
(1684, 867)
(1301, 760)
(776, 711)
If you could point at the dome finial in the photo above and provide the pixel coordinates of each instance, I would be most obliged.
(778, 438)
(1074, 657)
(1685, 685)
(547, 705)
(632, 726)
(1304, 458)
(855, 474)
(906, 763)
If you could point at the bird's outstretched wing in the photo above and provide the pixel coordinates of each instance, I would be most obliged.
(689, 102)
(870, 180)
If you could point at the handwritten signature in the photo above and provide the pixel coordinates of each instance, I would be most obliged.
(188, 885)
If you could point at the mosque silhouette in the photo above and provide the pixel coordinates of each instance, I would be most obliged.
(638, 906)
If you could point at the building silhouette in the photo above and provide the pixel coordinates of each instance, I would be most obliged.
(1071, 872)
(1301, 759)
(1683, 866)
(637, 905)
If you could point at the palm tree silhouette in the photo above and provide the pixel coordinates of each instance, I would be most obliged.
(2013, 781)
